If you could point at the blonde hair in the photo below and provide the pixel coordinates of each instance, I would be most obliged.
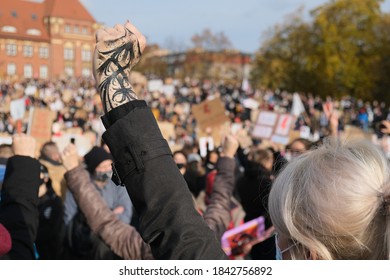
(331, 202)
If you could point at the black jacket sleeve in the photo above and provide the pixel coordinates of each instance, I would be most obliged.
(144, 163)
(19, 205)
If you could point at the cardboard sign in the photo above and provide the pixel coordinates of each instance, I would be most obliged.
(83, 143)
(167, 130)
(40, 125)
(209, 113)
(273, 126)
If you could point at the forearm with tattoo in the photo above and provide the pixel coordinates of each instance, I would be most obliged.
(113, 70)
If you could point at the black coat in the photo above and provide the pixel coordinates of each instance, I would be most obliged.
(19, 205)
(144, 163)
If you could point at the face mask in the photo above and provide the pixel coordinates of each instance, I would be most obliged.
(279, 252)
(102, 176)
(180, 165)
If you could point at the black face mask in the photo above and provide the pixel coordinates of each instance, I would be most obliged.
(102, 176)
(180, 165)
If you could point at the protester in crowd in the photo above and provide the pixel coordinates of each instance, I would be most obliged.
(5, 153)
(253, 188)
(122, 238)
(195, 175)
(181, 161)
(98, 162)
(19, 198)
(50, 157)
(333, 203)
(49, 240)
(168, 221)
(297, 147)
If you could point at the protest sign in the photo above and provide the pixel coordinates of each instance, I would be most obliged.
(155, 85)
(18, 108)
(250, 233)
(273, 126)
(83, 143)
(167, 130)
(209, 113)
(40, 125)
(211, 120)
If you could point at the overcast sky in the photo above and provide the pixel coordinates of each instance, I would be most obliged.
(171, 23)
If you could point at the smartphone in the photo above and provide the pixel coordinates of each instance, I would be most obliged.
(73, 140)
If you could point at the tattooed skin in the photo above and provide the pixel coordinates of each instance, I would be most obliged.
(113, 70)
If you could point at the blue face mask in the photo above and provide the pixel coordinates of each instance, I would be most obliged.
(279, 252)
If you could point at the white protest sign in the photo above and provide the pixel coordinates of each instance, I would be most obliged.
(18, 108)
(155, 85)
(273, 126)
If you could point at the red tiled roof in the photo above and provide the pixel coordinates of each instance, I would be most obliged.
(71, 9)
(23, 15)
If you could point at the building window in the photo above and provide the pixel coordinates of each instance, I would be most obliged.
(86, 55)
(9, 29)
(33, 31)
(43, 72)
(69, 71)
(44, 52)
(11, 69)
(67, 28)
(28, 51)
(28, 71)
(68, 54)
(76, 29)
(84, 30)
(86, 72)
(11, 49)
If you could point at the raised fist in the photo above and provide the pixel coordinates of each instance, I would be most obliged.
(117, 50)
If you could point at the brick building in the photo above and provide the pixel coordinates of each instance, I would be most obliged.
(45, 39)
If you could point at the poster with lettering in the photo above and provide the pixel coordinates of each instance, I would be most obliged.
(40, 125)
(209, 113)
(273, 126)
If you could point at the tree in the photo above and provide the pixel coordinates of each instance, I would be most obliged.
(343, 50)
(209, 41)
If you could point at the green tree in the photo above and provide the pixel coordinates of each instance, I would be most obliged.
(341, 51)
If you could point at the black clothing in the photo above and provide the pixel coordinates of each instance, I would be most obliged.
(144, 164)
(19, 205)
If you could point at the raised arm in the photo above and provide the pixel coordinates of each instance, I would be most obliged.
(217, 214)
(123, 239)
(143, 159)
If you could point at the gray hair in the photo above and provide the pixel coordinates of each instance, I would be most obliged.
(333, 202)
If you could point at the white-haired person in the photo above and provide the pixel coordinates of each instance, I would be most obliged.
(332, 203)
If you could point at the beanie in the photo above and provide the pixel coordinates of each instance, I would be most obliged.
(94, 157)
(5, 241)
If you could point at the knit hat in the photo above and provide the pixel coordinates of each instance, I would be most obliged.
(5, 241)
(94, 157)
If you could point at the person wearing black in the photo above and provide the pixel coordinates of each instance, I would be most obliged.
(50, 231)
(142, 158)
(19, 199)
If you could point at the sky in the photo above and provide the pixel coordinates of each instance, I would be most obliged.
(172, 23)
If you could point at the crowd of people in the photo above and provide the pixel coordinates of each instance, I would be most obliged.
(136, 195)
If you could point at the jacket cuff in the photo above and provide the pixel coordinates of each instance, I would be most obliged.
(133, 140)
(119, 112)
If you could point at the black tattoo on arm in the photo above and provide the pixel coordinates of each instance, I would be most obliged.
(114, 85)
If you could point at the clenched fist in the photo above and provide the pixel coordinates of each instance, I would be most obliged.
(23, 145)
(117, 51)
